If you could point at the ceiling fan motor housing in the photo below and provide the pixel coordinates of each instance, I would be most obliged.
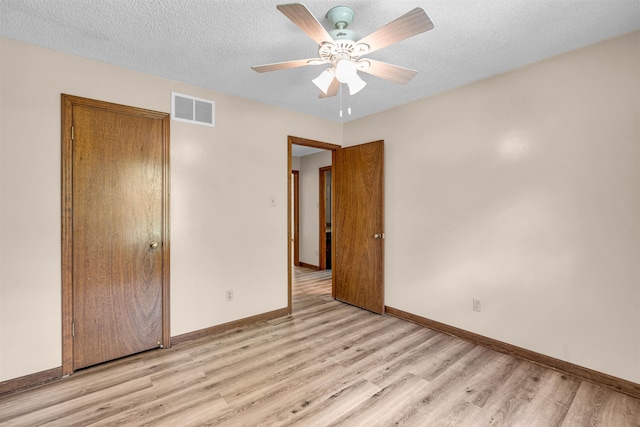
(340, 16)
(343, 34)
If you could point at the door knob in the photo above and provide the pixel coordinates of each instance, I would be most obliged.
(153, 245)
(377, 236)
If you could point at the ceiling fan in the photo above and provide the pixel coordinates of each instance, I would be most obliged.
(339, 49)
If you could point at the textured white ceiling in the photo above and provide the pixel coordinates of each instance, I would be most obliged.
(213, 44)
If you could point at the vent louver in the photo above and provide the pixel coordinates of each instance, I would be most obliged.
(185, 108)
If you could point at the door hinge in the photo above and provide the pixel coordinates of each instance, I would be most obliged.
(73, 329)
(72, 133)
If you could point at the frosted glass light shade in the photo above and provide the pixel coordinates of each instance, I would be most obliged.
(356, 84)
(323, 81)
(346, 72)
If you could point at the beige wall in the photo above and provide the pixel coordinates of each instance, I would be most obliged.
(309, 204)
(224, 235)
(523, 191)
(295, 163)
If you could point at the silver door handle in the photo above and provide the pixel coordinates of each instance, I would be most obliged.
(377, 236)
(153, 245)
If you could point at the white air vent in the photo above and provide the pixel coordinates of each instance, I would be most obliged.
(185, 108)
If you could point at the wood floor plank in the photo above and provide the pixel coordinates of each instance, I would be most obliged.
(554, 397)
(175, 373)
(409, 361)
(315, 389)
(447, 393)
(277, 398)
(55, 415)
(495, 372)
(370, 341)
(327, 363)
(595, 405)
(183, 410)
(240, 370)
(513, 403)
(440, 361)
(329, 409)
(381, 408)
(51, 394)
(193, 416)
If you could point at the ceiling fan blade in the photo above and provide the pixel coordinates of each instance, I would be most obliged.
(287, 64)
(332, 91)
(395, 73)
(300, 15)
(408, 25)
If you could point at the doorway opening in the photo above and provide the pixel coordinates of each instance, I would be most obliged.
(324, 214)
(293, 227)
(295, 217)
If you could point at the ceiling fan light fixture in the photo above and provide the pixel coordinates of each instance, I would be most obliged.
(343, 49)
(356, 85)
(323, 81)
(347, 72)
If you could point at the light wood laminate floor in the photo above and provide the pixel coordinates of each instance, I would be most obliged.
(329, 364)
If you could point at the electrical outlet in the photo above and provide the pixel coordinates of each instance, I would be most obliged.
(229, 295)
(476, 305)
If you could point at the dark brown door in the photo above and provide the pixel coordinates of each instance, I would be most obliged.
(118, 232)
(359, 226)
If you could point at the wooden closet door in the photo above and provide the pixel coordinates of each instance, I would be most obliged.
(118, 231)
